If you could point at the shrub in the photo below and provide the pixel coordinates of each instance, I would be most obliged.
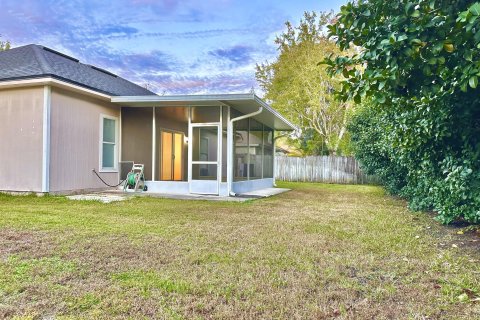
(419, 129)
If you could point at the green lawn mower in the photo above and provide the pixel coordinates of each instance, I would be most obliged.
(135, 179)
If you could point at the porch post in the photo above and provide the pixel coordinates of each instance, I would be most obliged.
(229, 156)
(190, 141)
(220, 151)
(120, 137)
(154, 142)
(274, 159)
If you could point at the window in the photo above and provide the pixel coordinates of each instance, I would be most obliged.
(108, 148)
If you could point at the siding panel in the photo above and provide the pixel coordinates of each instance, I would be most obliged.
(137, 137)
(21, 130)
(75, 136)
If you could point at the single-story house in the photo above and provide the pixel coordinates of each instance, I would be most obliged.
(61, 119)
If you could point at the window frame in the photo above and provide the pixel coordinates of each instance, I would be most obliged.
(113, 169)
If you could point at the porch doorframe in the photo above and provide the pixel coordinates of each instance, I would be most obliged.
(219, 127)
(154, 141)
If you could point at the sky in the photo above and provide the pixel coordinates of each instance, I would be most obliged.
(173, 46)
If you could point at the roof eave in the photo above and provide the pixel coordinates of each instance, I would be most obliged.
(51, 81)
(226, 99)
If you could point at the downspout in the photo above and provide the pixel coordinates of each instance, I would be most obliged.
(230, 147)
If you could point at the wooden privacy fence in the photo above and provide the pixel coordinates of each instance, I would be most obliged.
(329, 169)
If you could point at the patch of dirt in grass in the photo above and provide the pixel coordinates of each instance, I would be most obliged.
(461, 235)
(113, 253)
(34, 244)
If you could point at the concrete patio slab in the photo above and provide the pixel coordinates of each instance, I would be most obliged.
(102, 197)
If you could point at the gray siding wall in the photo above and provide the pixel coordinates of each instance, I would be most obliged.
(137, 137)
(21, 130)
(75, 141)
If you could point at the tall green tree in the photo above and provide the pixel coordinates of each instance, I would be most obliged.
(4, 45)
(301, 88)
(420, 127)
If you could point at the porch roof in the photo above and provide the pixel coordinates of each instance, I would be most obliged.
(245, 103)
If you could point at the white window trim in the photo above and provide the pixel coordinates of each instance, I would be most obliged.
(100, 149)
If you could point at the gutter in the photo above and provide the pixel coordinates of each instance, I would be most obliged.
(230, 147)
(52, 81)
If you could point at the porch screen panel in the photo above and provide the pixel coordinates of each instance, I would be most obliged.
(224, 142)
(240, 150)
(205, 114)
(204, 153)
(267, 152)
(205, 144)
(255, 147)
(204, 171)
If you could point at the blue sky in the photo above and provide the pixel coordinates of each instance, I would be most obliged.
(177, 47)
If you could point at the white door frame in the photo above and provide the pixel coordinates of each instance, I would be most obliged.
(218, 163)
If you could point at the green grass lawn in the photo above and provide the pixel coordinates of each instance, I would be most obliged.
(318, 251)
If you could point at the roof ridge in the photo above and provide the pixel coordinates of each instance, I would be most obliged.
(44, 65)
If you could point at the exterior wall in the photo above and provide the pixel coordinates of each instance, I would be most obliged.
(178, 187)
(168, 187)
(75, 141)
(21, 132)
(252, 185)
(137, 137)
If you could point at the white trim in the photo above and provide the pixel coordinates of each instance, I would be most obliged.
(248, 149)
(274, 166)
(220, 150)
(263, 149)
(154, 142)
(185, 98)
(47, 103)
(205, 124)
(189, 149)
(48, 81)
(100, 149)
(205, 162)
(218, 125)
(120, 136)
(229, 153)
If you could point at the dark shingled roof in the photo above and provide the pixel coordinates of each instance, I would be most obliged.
(35, 61)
